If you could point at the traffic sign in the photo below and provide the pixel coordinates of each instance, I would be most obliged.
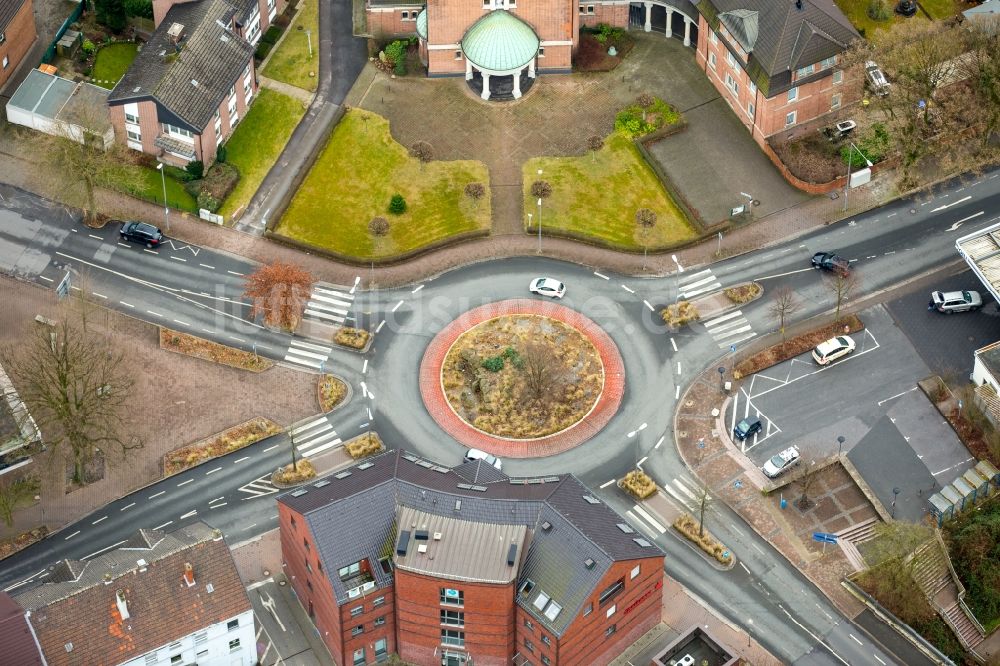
(824, 537)
(732, 348)
(63, 288)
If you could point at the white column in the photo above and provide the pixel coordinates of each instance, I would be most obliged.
(517, 84)
(486, 86)
(468, 69)
(649, 11)
(670, 16)
(687, 32)
(531, 68)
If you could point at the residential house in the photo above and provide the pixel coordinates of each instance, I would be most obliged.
(159, 599)
(458, 566)
(778, 63)
(192, 82)
(17, 34)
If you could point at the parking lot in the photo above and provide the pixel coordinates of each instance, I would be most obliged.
(871, 399)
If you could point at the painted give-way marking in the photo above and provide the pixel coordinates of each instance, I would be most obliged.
(965, 219)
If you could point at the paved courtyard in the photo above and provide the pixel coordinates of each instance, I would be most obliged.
(560, 112)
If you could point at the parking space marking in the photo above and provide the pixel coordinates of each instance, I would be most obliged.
(758, 437)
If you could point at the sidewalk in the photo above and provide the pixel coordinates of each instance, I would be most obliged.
(292, 91)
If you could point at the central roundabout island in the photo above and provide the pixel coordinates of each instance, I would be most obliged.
(522, 378)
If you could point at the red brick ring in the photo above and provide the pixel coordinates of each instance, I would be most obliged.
(442, 412)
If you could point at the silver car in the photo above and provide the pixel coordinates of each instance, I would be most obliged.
(955, 301)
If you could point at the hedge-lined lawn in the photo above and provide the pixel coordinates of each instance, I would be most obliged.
(111, 63)
(358, 171)
(857, 12)
(146, 183)
(290, 61)
(257, 142)
(598, 198)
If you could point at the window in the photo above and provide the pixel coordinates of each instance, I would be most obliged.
(309, 584)
(405, 16)
(527, 586)
(319, 565)
(381, 649)
(232, 90)
(541, 51)
(452, 597)
(546, 640)
(611, 611)
(732, 85)
(6, 61)
(838, 76)
(711, 60)
(730, 59)
(219, 115)
(3, 38)
(453, 638)
(305, 541)
(713, 37)
(828, 62)
(635, 572)
(753, 88)
(528, 645)
(751, 109)
(308, 567)
(612, 591)
(835, 101)
(178, 131)
(487, 4)
(348, 571)
(378, 601)
(529, 624)
(202, 654)
(151, 659)
(357, 610)
(176, 659)
(589, 609)
(359, 657)
(132, 113)
(360, 629)
(793, 94)
(610, 630)
(200, 638)
(134, 136)
(790, 119)
(453, 618)
(458, 54)
(246, 86)
(590, 10)
(379, 621)
(233, 624)
(545, 660)
(804, 72)
(271, 4)
(234, 645)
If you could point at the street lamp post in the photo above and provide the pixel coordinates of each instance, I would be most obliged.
(310, 42)
(895, 493)
(749, 205)
(166, 209)
(539, 218)
(635, 434)
(840, 445)
(847, 185)
(680, 269)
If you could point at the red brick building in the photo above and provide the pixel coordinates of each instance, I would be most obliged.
(188, 88)
(465, 565)
(778, 63)
(17, 34)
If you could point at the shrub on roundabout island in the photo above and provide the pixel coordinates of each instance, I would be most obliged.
(679, 314)
(638, 484)
(364, 445)
(355, 338)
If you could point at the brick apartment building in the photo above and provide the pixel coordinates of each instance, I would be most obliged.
(192, 82)
(17, 34)
(465, 565)
(777, 62)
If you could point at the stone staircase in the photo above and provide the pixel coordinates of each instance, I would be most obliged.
(933, 573)
(849, 538)
(958, 618)
(930, 569)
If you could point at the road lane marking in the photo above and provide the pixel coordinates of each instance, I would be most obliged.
(216, 506)
(98, 295)
(235, 273)
(644, 459)
(124, 244)
(677, 392)
(417, 289)
(953, 203)
(46, 279)
(364, 368)
(855, 638)
(601, 275)
(178, 259)
(673, 344)
(182, 323)
(745, 568)
(879, 660)
(241, 459)
(71, 535)
(678, 367)
(217, 499)
(965, 219)
(189, 514)
(207, 266)
(270, 448)
(396, 307)
(769, 277)
(212, 471)
(98, 552)
(99, 520)
(155, 314)
(184, 483)
(659, 442)
(626, 288)
(651, 309)
(163, 525)
(607, 483)
(125, 508)
(93, 236)
(380, 326)
(146, 249)
(250, 527)
(128, 305)
(162, 492)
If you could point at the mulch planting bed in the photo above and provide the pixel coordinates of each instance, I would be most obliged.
(793, 347)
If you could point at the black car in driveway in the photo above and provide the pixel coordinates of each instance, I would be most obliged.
(830, 261)
(140, 232)
(747, 427)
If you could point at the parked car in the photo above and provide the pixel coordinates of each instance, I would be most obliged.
(834, 348)
(906, 7)
(140, 232)
(545, 286)
(831, 261)
(876, 79)
(747, 427)
(475, 454)
(840, 130)
(955, 301)
(781, 463)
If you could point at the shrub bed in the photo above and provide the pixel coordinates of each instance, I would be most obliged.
(332, 392)
(743, 293)
(191, 345)
(227, 441)
(647, 115)
(286, 476)
(689, 527)
(795, 346)
(364, 445)
(679, 314)
(355, 338)
(10, 546)
(638, 484)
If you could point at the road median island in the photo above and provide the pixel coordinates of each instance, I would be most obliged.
(717, 552)
(192, 345)
(223, 443)
(793, 347)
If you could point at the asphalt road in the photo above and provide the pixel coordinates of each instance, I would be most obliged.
(199, 290)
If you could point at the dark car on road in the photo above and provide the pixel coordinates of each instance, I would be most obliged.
(747, 427)
(830, 261)
(140, 232)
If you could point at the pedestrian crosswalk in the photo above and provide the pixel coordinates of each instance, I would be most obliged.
(642, 517)
(314, 437)
(702, 282)
(729, 329)
(308, 354)
(329, 305)
(258, 488)
(688, 493)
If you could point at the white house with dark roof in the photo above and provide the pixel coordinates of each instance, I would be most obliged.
(192, 82)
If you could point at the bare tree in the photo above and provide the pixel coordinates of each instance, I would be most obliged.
(784, 304)
(704, 498)
(594, 144)
(475, 191)
(423, 151)
(543, 374)
(378, 226)
(805, 485)
(78, 390)
(541, 189)
(15, 493)
(279, 292)
(646, 219)
(842, 286)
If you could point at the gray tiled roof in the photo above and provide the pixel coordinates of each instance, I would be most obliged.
(8, 9)
(780, 37)
(479, 471)
(352, 515)
(192, 83)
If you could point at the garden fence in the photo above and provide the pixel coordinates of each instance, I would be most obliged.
(73, 17)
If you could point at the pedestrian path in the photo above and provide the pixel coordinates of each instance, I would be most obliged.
(258, 488)
(696, 284)
(308, 354)
(684, 491)
(729, 329)
(314, 437)
(330, 306)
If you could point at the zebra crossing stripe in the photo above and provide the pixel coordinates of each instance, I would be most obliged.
(718, 334)
(328, 299)
(727, 334)
(308, 345)
(307, 426)
(715, 285)
(652, 521)
(333, 292)
(681, 487)
(304, 361)
(324, 315)
(319, 449)
(692, 276)
(727, 343)
(718, 320)
(315, 440)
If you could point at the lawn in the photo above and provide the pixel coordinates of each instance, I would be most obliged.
(597, 198)
(290, 62)
(149, 186)
(258, 140)
(856, 12)
(111, 63)
(352, 181)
